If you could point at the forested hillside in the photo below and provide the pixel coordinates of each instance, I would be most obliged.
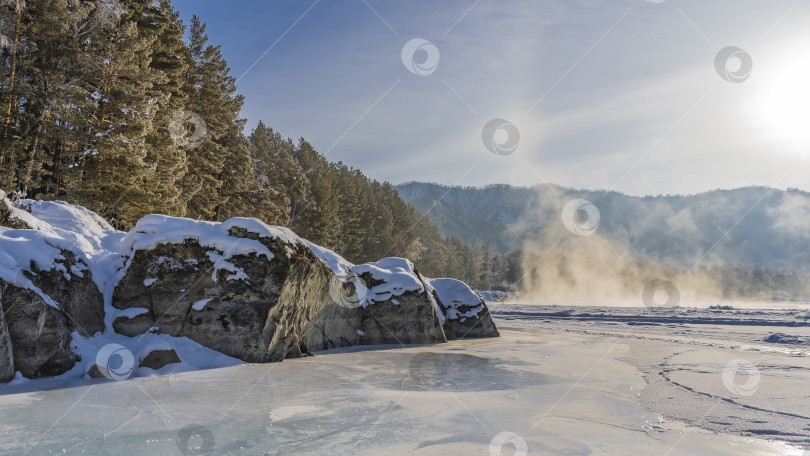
(121, 107)
(738, 243)
(754, 225)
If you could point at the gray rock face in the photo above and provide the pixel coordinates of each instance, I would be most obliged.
(6, 351)
(78, 297)
(169, 280)
(281, 308)
(158, 359)
(39, 334)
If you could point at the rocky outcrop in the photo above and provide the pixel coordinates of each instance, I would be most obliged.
(75, 293)
(39, 334)
(261, 294)
(241, 288)
(466, 314)
(47, 292)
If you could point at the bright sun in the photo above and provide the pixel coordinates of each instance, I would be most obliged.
(784, 104)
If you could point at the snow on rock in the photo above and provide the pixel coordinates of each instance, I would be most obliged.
(23, 252)
(47, 291)
(84, 231)
(388, 278)
(13, 217)
(154, 230)
(466, 314)
(46, 260)
(275, 295)
(200, 305)
(458, 300)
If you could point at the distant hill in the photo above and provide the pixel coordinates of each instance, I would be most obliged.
(753, 225)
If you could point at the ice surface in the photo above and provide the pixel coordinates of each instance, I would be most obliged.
(691, 361)
(561, 394)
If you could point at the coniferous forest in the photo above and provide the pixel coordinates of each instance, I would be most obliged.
(121, 107)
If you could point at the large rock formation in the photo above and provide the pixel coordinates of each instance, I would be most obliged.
(242, 288)
(260, 293)
(47, 292)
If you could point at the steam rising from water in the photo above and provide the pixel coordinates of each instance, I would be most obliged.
(563, 266)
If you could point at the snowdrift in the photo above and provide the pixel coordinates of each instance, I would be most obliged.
(79, 298)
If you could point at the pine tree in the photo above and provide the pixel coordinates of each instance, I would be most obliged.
(209, 101)
(112, 174)
(241, 193)
(276, 168)
(317, 217)
(169, 56)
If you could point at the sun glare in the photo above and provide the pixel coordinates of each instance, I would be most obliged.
(783, 107)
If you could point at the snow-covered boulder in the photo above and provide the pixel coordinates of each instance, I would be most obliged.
(47, 292)
(261, 293)
(175, 294)
(395, 305)
(465, 312)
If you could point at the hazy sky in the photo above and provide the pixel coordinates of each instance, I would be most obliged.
(620, 94)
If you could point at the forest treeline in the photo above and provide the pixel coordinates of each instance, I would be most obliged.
(122, 108)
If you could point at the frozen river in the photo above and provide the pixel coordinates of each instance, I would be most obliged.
(573, 381)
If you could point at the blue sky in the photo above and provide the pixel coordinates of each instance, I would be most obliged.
(620, 95)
